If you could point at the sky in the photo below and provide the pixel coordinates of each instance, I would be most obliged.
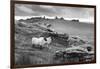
(26, 10)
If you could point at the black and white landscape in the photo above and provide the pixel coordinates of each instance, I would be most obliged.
(53, 34)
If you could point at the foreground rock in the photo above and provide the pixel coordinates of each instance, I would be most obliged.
(74, 54)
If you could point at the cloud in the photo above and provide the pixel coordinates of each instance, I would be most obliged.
(25, 9)
(51, 11)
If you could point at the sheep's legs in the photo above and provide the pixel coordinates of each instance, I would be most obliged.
(48, 46)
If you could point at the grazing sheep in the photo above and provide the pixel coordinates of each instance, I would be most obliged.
(41, 41)
(48, 40)
(38, 41)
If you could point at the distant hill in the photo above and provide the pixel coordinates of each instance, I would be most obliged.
(65, 26)
(71, 27)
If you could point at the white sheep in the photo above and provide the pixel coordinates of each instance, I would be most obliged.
(38, 41)
(41, 41)
(48, 41)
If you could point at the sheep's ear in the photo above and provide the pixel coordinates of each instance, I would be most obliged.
(45, 39)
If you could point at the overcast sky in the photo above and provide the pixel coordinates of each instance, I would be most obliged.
(84, 14)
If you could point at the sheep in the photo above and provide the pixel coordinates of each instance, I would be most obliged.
(48, 40)
(38, 41)
(41, 41)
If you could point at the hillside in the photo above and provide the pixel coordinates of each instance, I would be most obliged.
(25, 29)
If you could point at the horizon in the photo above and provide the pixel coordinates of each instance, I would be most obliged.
(80, 19)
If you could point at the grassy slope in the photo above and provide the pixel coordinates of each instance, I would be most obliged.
(72, 28)
(26, 31)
